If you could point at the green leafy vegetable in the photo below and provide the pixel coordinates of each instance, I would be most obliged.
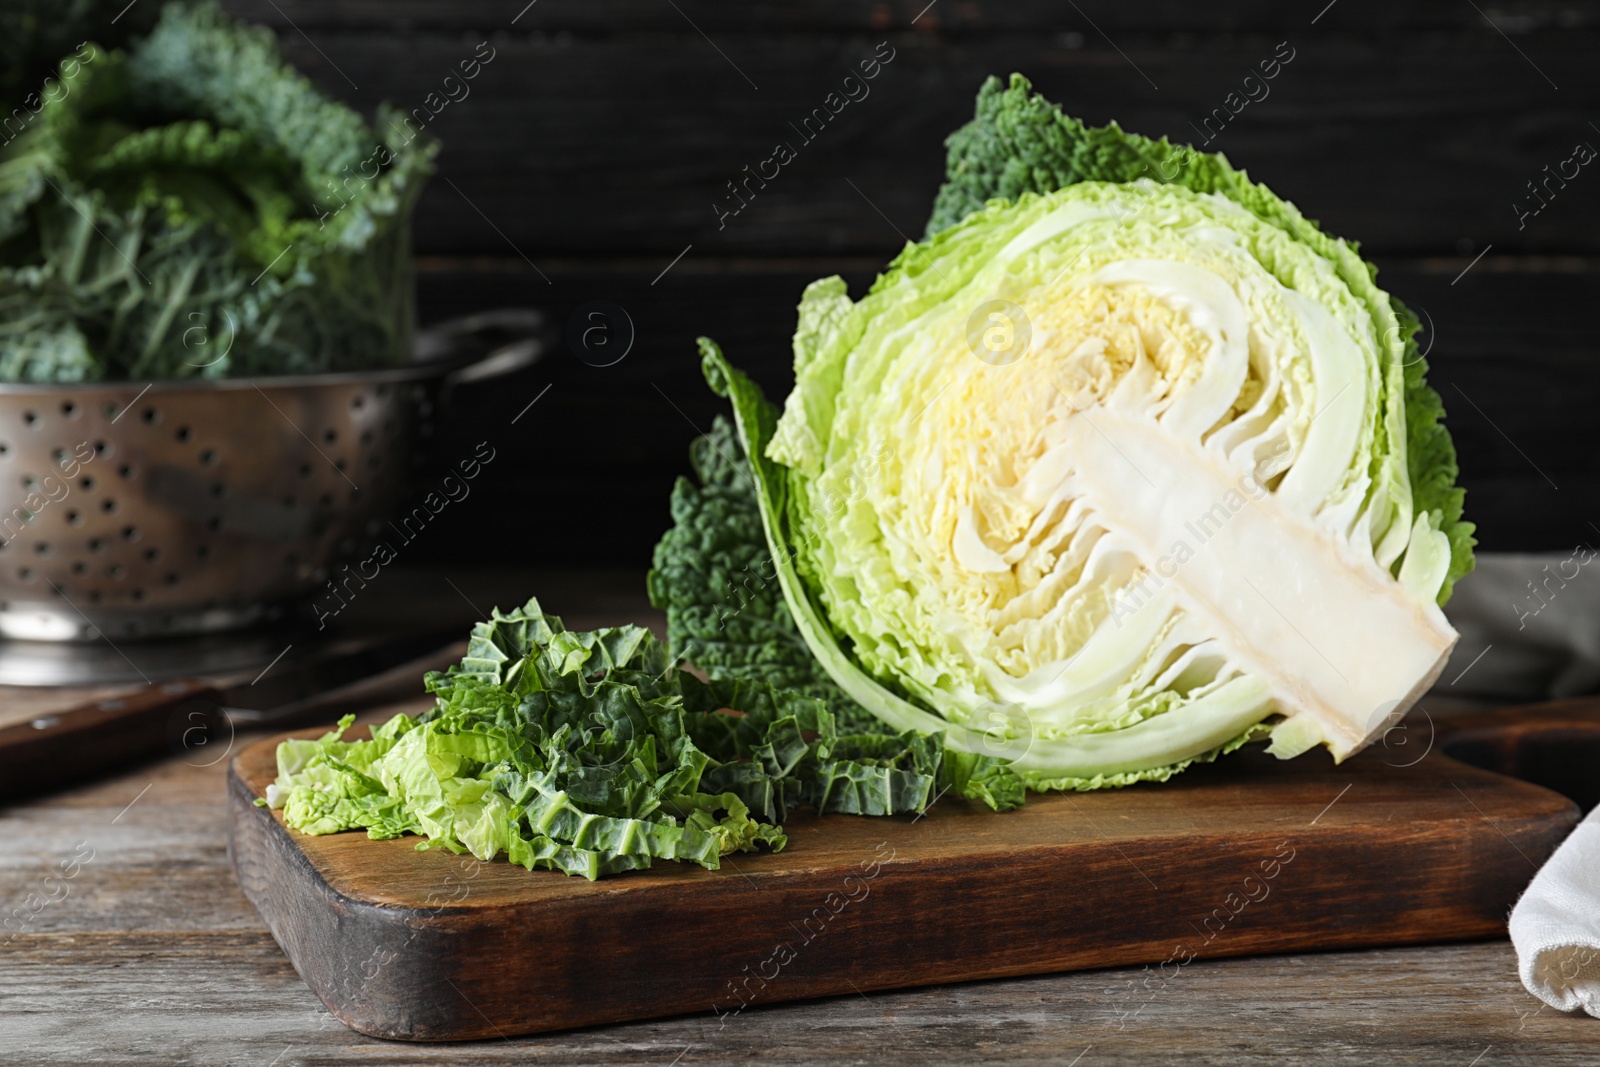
(1126, 465)
(589, 753)
(192, 206)
(716, 580)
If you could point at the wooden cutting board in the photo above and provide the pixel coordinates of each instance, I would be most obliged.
(1401, 844)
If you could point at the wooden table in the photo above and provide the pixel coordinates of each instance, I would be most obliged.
(151, 955)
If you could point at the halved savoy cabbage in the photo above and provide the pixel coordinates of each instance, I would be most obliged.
(1123, 466)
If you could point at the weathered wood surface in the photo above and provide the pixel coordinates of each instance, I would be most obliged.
(173, 999)
(155, 957)
(614, 139)
(1149, 16)
(152, 955)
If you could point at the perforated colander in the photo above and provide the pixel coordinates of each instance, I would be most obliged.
(164, 508)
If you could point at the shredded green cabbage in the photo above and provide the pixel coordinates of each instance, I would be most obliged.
(591, 753)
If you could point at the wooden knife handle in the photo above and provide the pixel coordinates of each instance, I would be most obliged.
(63, 748)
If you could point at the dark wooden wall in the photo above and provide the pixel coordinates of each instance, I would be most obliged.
(591, 149)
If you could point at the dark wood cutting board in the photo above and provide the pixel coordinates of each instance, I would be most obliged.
(1248, 855)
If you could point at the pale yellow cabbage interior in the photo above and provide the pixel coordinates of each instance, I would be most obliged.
(978, 534)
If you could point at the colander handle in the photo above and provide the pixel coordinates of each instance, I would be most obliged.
(486, 344)
(68, 747)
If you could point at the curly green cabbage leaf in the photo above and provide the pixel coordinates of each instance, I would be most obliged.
(194, 207)
(1114, 476)
(590, 753)
(713, 577)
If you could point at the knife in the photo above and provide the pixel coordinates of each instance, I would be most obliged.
(196, 718)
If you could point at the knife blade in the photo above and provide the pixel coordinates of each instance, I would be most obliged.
(191, 716)
(277, 696)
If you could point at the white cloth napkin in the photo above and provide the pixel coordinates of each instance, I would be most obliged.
(1556, 925)
(1530, 630)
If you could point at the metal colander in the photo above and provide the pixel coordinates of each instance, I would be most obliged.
(164, 508)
